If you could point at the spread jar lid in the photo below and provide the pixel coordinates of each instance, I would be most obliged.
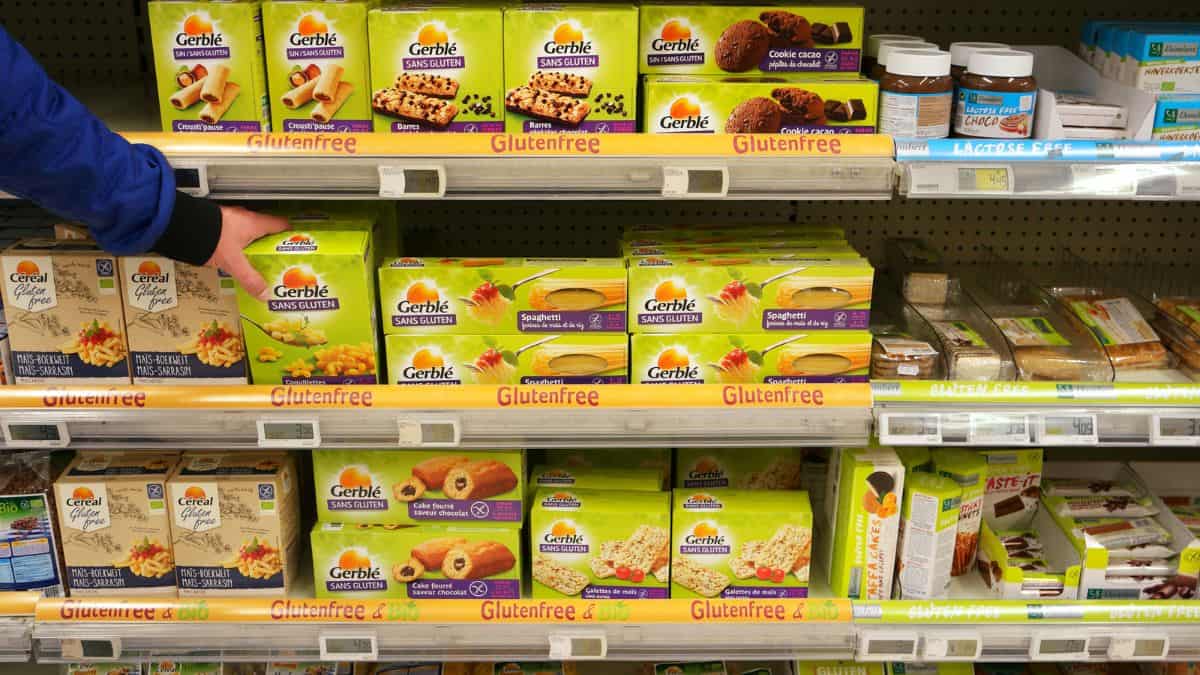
(916, 94)
(887, 48)
(996, 95)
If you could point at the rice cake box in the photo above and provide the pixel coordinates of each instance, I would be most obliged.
(739, 468)
(747, 358)
(419, 487)
(596, 358)
(864, 490)
(208, 63)
(741, 544)
(1013, 490)
(570, 67)
(423, 562)
(595, 478)
(600, 544)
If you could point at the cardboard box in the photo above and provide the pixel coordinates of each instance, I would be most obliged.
(235, 523)
(448, 58)
(1011, 496)
(598, 544)
(208, 63)
(182, 323)
(62, 301)
(970, 470)
(419, 487)
(745, 358)
(741, 544)
(116, 532)
(498, 296)
(318, 323)
(745, 294)
(864, 490)
(715, 104)
(594, 478)
(428, 561)
(318, 65)
(928, 531)
(599, 358)
(739, 468)
(570, 67)
(701, 38)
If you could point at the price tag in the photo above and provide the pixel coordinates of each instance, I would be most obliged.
(910, 429)
(1074, 429)
(887, 646)
(1058, 647)
(1122, 648)
(998, 429)
(578, 646)
(289, 434)
(1110, 181)
(695, 182)
(36, 435)
(1174, 430)
(429, 433)
(958, 647)
(363, 647)
(412, 182)
(88, 650)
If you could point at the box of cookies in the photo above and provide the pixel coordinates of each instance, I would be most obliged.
(437, 67)
(411, 486)
(741, 544)
(704, 38)
(600, 358)
(674, 104)
(416, 562)
(570, 67)
(746, 358)
(600, 544)
(739, 468)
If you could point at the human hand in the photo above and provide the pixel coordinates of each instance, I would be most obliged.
(239, 227)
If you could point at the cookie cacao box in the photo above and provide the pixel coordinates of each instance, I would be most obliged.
(497, 296)
(419, 487)
(423, 562)
(688, 104)
(570, 67)
(863, 497)
(317, 325)
(739, 468)
(437, 67)
(596, 358)
(740, 544)
(712, 39)
(748, 294)
(600, 544)
(318, 67)
(770, 358)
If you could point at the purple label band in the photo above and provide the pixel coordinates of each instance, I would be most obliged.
(315, 53)
(198, 126)
(465, 588)
(790, 319)
(201, 53)
(356, 585)
(562, 548)
(813, 379)
(585, 127)
(308, 305)
(453, 127)
(508, 511)
(670, 319)
(356, 504)
(796, 60)
(681, 59)
(704, 550)
(847, 129)
(434, 63)
(406, 320)
(764, 592)
(571, 322)
(336, 126)
(332, 379)
(705, 483)
(594, 592)
(569, 61)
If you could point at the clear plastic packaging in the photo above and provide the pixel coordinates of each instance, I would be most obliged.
(905, 346)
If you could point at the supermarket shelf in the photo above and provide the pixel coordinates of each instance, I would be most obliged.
(506, 166)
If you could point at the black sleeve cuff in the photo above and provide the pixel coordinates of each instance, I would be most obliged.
(193, 231)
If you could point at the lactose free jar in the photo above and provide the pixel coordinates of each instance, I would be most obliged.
(916, 94)
(996, 95)
(886, 49)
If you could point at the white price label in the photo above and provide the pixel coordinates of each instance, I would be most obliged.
(998, 429)
(36, 434)
(910, 429)
(1058, 647)
(289, 434)
(429, 433)
(1174, 430)
(695, 182)
(349, 647)
(1123, 648)
(1110, 181)
(578, 647)
(1073, 429)
(888, 646)
(412, 182)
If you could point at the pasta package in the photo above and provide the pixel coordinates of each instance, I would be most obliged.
(771, 358)
(62, 300)
(569, 358)
(235, 523)
(182, 322)
(113, 518)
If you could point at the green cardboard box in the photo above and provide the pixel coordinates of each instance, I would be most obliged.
(689, 104)
(598, 544)
(422, 562)
(866, 487)
(741, 544)
(594, 478)
(318, 67)
(317, 325)
(576, 63)
(704, 38)
(499, 296)
(771, 358)
(928, 531)
(969, 469)
(450, 56)
(595, 358)
(739, 468)
(419, 486)
(208, 63)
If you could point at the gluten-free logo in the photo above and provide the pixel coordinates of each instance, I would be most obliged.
(312, 38)
(685, 115)
(355, 571)
(567, 46)
(674, 44)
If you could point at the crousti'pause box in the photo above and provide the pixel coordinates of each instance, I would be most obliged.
(597, 358)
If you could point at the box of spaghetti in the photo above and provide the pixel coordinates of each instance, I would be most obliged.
(235, 523)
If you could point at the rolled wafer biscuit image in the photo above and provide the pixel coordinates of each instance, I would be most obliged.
(479, 479)
(432, 471)
(187, 97)
(213, 112)
(324, 111)
(329, 83)
(215, 83)
(431, 553)
(477, 560)
(300, 95)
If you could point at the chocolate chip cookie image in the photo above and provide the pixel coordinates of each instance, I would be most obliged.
(791, 30)
(758, 115)
(801, 107)
(742, 46)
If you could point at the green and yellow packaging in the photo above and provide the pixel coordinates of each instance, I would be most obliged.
(715, 104)
(599, 358)
(597, 544)
(928, 531)
(208, 63)
(741, 544)
(570, 67)
(317, 325)
(746, 294)
(318, 65)
(422, 487)
(866, 487)
(739, 468)
(448, 56)
(497, 296)
(969, 469)
(704, 38)
(422, 562)
(595, 478)
(771, 358)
